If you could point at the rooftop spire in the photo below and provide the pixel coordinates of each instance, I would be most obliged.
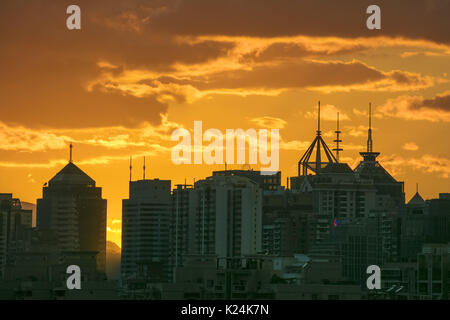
(131, 167)
(318, 155)
(70, 155)
(369, 155)
(144, 169)
(338, 132)
(317, 145)
(369, 136)
(318, 120)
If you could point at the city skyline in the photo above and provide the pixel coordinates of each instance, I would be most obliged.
(138, 70)
(138, 173)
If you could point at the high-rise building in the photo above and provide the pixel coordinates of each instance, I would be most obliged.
(288, 223)
(268, 182)
(14, 223)
(433, 268)
(72, 206)
(227, 218)
(146, 232)
(184, 200)
(341, 194)
(221, 215)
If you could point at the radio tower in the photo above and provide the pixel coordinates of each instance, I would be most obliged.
(131, 167)
(338, 132)
(143, 169)
(369, 137)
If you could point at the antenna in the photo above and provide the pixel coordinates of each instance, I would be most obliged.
(144, 168)
(225, 166)
(318, 157)
(318, 121)
(369, 137)
(70, 155)
(131, 167)
(338, 132)
(417, 187)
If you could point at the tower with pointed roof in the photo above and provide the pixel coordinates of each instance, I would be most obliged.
(390, 192)
(317, 147)
(72, 206)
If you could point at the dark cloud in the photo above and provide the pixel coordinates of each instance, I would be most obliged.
(46, 68)
(418, 19)
(441, 102)
(294, 75)
(286, 51)
(434, 109)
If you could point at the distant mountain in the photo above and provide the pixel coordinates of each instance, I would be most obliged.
(32, 207)
(113, 256)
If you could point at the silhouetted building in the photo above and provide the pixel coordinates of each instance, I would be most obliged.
(146, 216)
(433, 274)
(423, 222)
(342, 194)
(14, 224)
(288, 223)
(268, 182)
(73, 207)
(226, 217)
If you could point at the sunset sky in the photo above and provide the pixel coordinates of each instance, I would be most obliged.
(137, 70)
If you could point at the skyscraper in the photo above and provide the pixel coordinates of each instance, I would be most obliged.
(72, 206)
(389, 192)
(14, 222)
(145, 231)
(227, 217)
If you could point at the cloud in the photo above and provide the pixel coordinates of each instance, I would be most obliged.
(410, 146)
(269, 122)
(294, 145)
(25, 139)
(252, 18)
(418, 108)
(356, 131)
(115, 226)
(134, 58)
(408, 54)
(427, 163)
(19, 138)
(232, 76)
(327, 112)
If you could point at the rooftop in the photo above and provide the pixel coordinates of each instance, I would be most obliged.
(71, 174)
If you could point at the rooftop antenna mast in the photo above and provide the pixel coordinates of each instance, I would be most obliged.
(144, 168)
(338, 132)
(318, 158)
(131, 167)
(369, 138)
(70, 155)
(369, 155)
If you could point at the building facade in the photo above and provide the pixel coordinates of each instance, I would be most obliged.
(72, 206)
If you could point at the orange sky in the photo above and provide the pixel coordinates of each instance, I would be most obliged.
(140, 69)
